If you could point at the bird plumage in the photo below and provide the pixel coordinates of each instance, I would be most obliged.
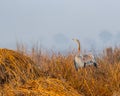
(83, 60)
(78, 62)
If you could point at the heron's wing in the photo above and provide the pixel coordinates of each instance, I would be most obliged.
(88, 58)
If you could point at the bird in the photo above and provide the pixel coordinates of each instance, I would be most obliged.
(83, 60)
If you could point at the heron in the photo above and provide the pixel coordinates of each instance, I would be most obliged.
(83, 60)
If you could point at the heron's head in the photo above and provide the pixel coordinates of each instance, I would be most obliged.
(75, 40)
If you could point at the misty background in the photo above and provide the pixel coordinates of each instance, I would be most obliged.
(53, 23)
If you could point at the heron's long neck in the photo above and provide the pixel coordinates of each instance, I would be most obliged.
(78, 47)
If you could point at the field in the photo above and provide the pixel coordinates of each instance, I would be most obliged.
(44, 73)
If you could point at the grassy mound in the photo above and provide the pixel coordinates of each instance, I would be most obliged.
(15, 67)
(19, 77)
(41, 87)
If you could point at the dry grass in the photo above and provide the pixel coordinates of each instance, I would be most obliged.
(15, 67)
(41, 87)
(103, 81)
(20, 76)
(57, 75)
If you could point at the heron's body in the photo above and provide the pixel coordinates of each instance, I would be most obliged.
(83, 60)
(78, 62)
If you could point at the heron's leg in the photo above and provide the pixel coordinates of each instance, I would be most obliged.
(95, 64)
(84, 65)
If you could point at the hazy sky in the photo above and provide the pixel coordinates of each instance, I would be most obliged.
(53, 23)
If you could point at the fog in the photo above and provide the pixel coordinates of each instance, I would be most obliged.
(54, 23)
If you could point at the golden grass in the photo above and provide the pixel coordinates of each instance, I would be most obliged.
(54, 75)
(89, 81)
(41, 87)
(15, 67)
(20, 76)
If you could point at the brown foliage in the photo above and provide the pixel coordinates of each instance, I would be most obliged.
(41, 87)
(58, 69)
(15, 67)
(89, 81)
